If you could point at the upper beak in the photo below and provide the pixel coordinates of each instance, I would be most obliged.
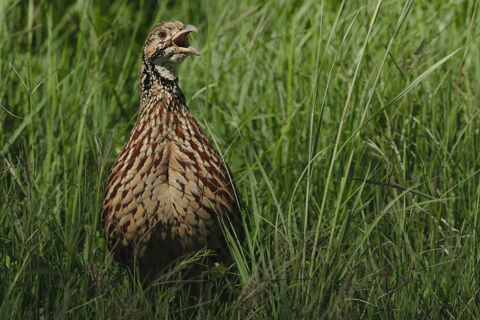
(180, 40)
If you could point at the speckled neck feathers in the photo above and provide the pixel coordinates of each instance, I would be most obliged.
(160, 85)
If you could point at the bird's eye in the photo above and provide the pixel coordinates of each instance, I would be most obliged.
(163, 34)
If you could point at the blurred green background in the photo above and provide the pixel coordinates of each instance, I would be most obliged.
(351, 128)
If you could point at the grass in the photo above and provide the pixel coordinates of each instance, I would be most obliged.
(352, 129)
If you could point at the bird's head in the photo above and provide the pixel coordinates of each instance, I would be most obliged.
(167, 46)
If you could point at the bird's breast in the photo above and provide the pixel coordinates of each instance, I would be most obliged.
(167, 178)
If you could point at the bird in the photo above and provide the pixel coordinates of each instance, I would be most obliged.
(169, 192)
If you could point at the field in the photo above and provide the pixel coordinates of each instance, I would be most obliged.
(351, 127)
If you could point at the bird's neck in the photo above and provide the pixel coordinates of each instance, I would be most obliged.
(159, 89)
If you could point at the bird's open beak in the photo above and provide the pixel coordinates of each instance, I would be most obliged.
(180, 40)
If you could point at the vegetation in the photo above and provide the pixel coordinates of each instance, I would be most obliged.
(351, 127)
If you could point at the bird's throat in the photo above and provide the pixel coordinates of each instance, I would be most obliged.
(168, 72)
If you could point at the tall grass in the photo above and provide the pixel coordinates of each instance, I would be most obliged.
(351, 128)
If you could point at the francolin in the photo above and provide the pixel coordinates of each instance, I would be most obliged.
(169, 189)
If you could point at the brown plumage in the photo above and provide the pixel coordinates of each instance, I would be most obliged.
(169, 188)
